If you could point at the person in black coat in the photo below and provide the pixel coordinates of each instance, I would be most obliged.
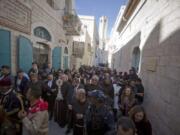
(34, 69)
(99, 118)
(143, 125)
(21, 83)
(108, 90)
(132, 75)
(64, 104)
(50, 92)
(140, 91)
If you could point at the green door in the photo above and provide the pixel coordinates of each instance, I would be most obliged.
(56, 57)
(25, 55)
(5, 47)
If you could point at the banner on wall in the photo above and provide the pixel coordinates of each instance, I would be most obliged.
(78, 49)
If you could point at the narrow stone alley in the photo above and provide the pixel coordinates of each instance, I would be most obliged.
(90, 65)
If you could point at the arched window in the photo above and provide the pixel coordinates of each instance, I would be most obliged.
(42, 33)
(66, 50)
(136, 58)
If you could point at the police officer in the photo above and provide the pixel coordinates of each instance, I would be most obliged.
(99, 118)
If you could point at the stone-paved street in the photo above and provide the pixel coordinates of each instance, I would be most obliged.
(54, 129)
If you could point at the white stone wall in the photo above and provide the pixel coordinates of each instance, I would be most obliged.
(103, 26)
(90, 22)
(87, 53)
(51, 19)
(147, 17)
(155, 28)
(114, 40)
(47, 17)
(83, 37)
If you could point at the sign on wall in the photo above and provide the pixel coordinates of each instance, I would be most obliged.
(151, 64)
(15, 15)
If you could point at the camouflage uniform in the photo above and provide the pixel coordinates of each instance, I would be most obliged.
(99, 120)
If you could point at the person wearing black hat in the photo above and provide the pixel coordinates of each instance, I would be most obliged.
(99, 119)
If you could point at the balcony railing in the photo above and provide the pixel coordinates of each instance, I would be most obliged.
(71, 24)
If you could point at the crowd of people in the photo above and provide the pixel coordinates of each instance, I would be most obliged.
(87, 101)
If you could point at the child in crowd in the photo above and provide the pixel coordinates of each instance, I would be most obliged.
(35, 121)
(142, 124)
(127, 100)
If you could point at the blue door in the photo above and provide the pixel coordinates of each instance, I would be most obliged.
(25, 55)
(5, 48)
(65, 65)
(56, 58)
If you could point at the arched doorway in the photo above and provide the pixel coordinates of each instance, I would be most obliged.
(42, 33)
(41, 50)
(136, 58)
(41, 53)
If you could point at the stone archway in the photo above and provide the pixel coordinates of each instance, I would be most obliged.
(41, 46)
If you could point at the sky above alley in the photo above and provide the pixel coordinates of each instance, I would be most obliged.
(98, 8)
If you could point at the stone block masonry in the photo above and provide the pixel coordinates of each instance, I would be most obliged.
(158, 23)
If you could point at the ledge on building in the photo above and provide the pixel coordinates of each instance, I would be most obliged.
(71, 24)
(130, 8)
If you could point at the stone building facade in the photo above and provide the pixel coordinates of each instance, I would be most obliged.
(90, 23)
(114, 42)
(81, 49)
(103, 26)
(36, 30)
(149, 40)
